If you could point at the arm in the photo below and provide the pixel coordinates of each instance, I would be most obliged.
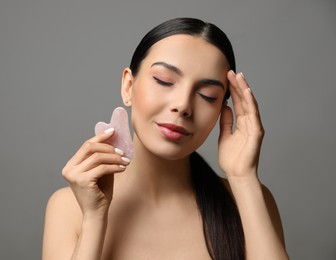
(261, 220)
(76, 218)
(239, 151)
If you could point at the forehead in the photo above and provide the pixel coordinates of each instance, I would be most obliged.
(188, 53)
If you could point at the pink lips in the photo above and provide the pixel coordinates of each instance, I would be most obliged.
(173, 132)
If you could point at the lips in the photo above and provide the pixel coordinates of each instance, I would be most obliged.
(173, 132)
(175, 128)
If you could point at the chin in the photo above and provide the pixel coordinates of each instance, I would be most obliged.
(173, 157)
(168, 150)
(171, 152)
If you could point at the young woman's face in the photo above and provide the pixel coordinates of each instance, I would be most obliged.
(177, 95)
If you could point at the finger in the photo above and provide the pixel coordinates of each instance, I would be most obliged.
(100, 138)
(94, 164)
(226, 122)
(104, 170)
(95, 144)
(247, 94)
(253, 111)
(235, 94)
(102, 158)
(250, 104)
(242, 83)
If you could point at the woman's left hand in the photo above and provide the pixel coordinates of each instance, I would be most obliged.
(239, 148)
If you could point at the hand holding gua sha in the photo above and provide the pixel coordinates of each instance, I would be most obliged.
(122, 136)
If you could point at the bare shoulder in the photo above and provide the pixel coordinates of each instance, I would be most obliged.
(62, 225)
(63, 198)
(62, 193)
(63, 206)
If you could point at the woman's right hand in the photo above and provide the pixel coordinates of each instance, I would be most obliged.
(90, 173)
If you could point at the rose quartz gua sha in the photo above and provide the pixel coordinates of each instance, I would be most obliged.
(122, 136)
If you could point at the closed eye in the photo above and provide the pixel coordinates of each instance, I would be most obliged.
(163, 83)
(207, 98)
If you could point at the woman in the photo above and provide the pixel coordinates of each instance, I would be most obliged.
(167, 203)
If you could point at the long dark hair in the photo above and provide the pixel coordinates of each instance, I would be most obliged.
(222, 226)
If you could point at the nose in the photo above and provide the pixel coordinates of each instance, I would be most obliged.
(182, 112)
(182, 105)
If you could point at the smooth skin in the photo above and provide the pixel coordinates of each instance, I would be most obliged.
(146, 209)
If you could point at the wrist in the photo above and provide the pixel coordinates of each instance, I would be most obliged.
(246, 180)
(242, 176)
(246, 189)
(91, 236)
(94, 224)
(98, 217)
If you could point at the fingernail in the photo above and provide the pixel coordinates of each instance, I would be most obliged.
(125, 159)
(122, 166)
(109, 130)
(118, 151)
(241, 73)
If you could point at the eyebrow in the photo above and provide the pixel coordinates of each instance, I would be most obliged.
(176, 70)
(212, 82)
(168, 66)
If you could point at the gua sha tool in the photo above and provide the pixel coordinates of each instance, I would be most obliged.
(122, 136)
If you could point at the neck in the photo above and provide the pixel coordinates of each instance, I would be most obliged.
(155, 178)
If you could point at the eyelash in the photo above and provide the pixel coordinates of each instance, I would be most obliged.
(209, 99)
(163, 83)
(168, 84)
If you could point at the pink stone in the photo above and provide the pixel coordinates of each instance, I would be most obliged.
(122, 136)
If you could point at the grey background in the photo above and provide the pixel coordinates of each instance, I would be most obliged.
(60, 69)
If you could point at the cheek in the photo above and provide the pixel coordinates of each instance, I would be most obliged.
(208, 122)
(146, 103)
(212, 123)
(142, 97)
(204, 126)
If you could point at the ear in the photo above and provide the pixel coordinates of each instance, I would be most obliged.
(126, 87)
